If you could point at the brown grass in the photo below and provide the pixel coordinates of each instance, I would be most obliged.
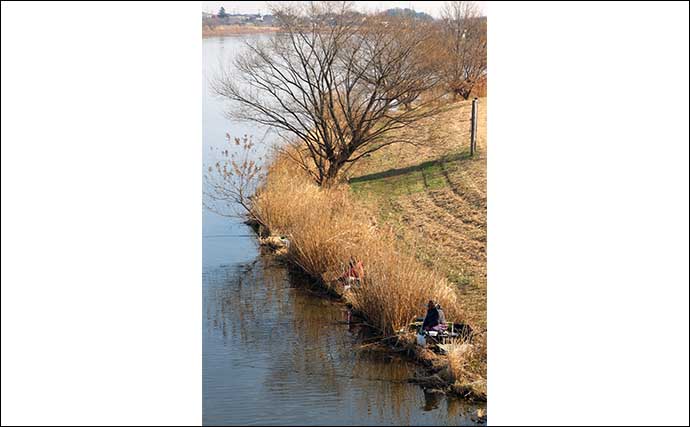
(434, 198)
(231, 30)
(467, 366)
(326, 227)
(416, 218)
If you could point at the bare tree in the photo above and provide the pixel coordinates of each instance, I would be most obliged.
(464, 36)
(231, 181)
(337, 84)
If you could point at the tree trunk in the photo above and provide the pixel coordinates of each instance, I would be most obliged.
(333, 171)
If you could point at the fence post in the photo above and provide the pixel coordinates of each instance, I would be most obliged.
(473, 129)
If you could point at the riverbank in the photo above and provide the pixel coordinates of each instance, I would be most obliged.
(233, 30)
(453, 373)
(275, 336)
(433, 195)
(325, 227)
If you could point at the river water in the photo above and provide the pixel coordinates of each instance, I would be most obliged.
(275, 352)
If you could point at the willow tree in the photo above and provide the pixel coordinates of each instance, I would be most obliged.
(336, 84)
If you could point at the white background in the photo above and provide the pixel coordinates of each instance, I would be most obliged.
(588, 213)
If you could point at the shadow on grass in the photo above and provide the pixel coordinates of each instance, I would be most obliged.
(410, 169)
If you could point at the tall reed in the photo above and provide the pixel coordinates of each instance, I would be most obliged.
(467, 366)
(326, 228)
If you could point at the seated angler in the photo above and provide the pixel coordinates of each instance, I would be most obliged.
(435, 319)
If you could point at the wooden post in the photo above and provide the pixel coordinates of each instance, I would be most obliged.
(473, 129)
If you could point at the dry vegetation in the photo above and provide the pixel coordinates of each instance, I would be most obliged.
(434, 199)
(232, 30)
(326, 227)
(417, 218)
(467, 367)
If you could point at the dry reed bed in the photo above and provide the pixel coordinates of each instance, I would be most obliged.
(232, 30)
(326, 227)
(467, 367)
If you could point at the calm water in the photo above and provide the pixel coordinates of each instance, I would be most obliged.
(273, 351)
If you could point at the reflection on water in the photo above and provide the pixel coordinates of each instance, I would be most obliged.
(274, 353)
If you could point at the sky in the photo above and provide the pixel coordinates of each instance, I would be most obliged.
(433, 8)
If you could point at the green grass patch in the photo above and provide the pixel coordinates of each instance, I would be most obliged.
(459, 279)
(409, 180)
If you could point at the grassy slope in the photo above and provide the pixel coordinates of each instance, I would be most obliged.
(434, 196)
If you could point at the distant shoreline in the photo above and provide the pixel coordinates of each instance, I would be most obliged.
(230, 30)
